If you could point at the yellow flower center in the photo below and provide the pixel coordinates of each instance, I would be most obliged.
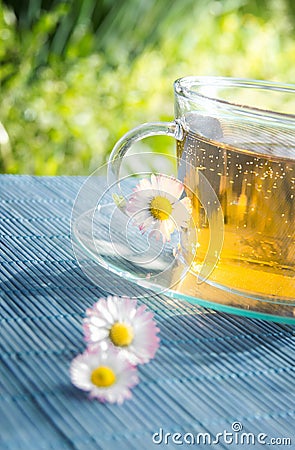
(103, 377)
(160, 208)
(121, 334)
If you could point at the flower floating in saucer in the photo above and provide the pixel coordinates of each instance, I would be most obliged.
(156, 203)
(107, 376)
(119, 323)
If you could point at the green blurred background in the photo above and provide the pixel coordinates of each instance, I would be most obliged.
(76, 75)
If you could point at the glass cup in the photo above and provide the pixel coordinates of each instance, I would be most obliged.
(239, 135)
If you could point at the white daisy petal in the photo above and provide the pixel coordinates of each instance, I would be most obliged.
(142, 196)
(101, 310)
(147, 223)
(170, 225)
(98, 321)
(169, 197)
(154, 182)
(176, 189)
(92, 359)
(164, 183)
(141, 216)
(97, 334)
(129, 305)
(170, 186)
(144, 184)
(141, 204)
(112, 307)
(181, 212)
(133, 207)
(166, 228)
(140, 199)
(125, 306)
(80, 372)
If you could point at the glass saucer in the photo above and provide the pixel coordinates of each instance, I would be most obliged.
(107, 235)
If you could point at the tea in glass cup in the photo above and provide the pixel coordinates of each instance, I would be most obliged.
(239, 136)
(256, 193)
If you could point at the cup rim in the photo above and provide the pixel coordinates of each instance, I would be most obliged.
(182, 87)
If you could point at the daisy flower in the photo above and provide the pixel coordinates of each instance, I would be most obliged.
(156, 203)
(117, 322)
(106, 376)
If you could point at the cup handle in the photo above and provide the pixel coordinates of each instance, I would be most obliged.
(173, 129)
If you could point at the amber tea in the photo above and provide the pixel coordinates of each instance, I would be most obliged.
(256, 193)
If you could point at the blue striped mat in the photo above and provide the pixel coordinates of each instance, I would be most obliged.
(213, 374)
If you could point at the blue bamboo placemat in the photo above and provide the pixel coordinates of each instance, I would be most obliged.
(212, 371)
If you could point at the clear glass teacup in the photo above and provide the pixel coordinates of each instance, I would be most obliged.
(240, 135)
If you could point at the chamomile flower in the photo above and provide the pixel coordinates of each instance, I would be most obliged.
(107, 376)
(118, 322)
(156, 203)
